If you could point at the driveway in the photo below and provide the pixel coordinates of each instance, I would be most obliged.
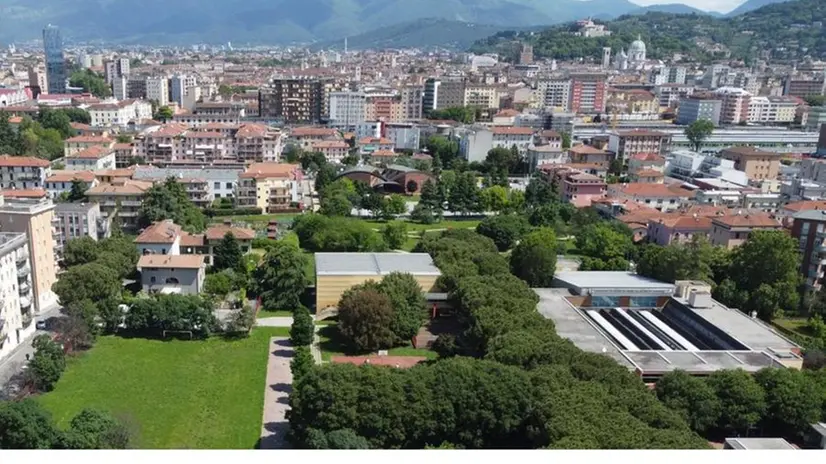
(274, 322)
(277, 394)
(13, 363)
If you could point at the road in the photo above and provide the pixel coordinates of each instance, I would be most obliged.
(277, 395)
(11, 364)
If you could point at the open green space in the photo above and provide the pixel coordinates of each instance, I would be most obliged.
(254, 219)
(172, 394)
(443, 224)
(264, 313)
(331, 344)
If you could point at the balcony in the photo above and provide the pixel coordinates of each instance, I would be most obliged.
(24, 271)
(22, 258)
(24, 289)
(27, 320)
(25, 304)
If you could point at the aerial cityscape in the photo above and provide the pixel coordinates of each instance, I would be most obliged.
(375, 224)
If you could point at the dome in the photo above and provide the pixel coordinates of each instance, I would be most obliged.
(637, 46)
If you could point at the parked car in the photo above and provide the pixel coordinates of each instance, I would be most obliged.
(40, 325)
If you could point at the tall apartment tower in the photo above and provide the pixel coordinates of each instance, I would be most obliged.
(55, 62)
(606, 57)
(294, 100)
(157, 88)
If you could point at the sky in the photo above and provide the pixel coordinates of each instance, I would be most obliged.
(723, 6)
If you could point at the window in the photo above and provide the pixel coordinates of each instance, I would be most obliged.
(229, 185)
(152, 280)
(217, 185)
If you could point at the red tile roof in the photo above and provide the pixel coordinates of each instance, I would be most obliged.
(265, 170)
(747, 220)
(93, 152)
(8, 161)
(806, 205)
(160, 232)
(639, 189)
(24, 193)
(88, 139)
(68, 176)
(217, 232)
(502, 130)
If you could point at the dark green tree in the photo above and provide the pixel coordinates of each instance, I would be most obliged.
(408, 303)
(81, 250)
(302, 329)
(48, 363)
(91, 82)
(692, 397)
(26, 425)
(365, 319)
(302, 363)
(742, 399)
(78, 191)
(163, 114)
(228, 254)
(337, 439)
(793, 401)
(169, 200)
(336, 205)
(280, 279)
(395, 234)
(698, 131)
(92, 281)
(92, 429)
(534, 259)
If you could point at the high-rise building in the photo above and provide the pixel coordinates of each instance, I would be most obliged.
(55, 62)
(606, 57)
(16, 311)
(735, 105)
(294, 99)
(347, 109)
(157, 88)
(412, 96)
(588, 93)
(554, 93)
(179, 87)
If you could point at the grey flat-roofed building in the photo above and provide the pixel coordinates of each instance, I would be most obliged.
(757, 444)
(221, 182)
(612, 283)
(379, 264)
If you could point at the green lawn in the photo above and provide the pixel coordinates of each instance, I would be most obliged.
(331, 345)
(264, 313)
(174, 394)
(444, 224)
(797, 326)
(309, 267)
(255, 218)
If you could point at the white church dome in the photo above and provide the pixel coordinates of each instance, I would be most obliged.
(637, 46)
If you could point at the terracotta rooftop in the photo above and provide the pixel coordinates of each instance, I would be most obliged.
(192, 240)
(204, 135)
(806, 205)
(160, 232)
(217, 232)
(503, 130)
(641, 189)
(171, 261)
(684, 222)
(507, 113)
(649, 173)
(69, 176)
(170, 130)
(88, 139)
(312, 132)
(24, 193)
(330, 144)
(750, 151)
(8, 161)
(403, 362)
(252, 130)
(747, 220)
(122, 146)
(550, 134)
(651, 157)
(93, 152)
(127, 187)
(587, 150)
(389, 153)
(378, 140)
(268, 169)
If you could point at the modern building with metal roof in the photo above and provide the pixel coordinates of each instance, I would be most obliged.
(338, 272)
(653, 327)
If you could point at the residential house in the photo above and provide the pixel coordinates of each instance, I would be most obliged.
(732, 230)
(809, 228)
(678, 228)
(61, 181)
(121, 196)
(23, 172)
(507, 137)
(93, 158)
(658, 196)
(591, 155)
(182, 274)
(626, 143)
(545, 154)
(16, 312)
(368, 145)
(756, 163)
(305, 137)
(334, 151)
(77, 220)
(124, 154)
(270, 186)
(78, 143)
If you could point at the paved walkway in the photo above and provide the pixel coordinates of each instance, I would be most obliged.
(277, 394)
(274, 321)
(315, 348)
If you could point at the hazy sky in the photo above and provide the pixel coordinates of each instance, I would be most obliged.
(723, 6)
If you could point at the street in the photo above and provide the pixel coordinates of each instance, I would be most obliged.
(13, 363)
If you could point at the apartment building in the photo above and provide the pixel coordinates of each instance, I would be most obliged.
(347, 109)
(369, 145)
(294, 100)
(404, 136)
(334, 151)
(33, 217)
(734, 105)
(202, 146)
(157, 88)
(180, 86)
(383, 106)
(773, 110)
(305, 137)
(481, 96)
(257, 143)
(16, 306)
(590, 155)
(733, 230)
(575, 186)
(699, 106)
(78, 143)
(440, 94)
(121, 198)
(119, 113)
(661, 197)
(412, 97)
(588, 93)
(507, 137)
(23, 172)
(670, 95)
(12, 97)
(553, 93)
(628, 143)
(804, 85)
(633, 104)
(91, 159)
(77, 220)
(270, 186)
(756, 163)
(206, 113)
(809, 228)
(678, 228)
(61, 181)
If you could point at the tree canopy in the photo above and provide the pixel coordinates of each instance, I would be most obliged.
(169, 200)
(698, 131)
(534, 259)
(280, 279)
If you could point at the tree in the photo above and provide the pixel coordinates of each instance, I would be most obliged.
(92, 429)
(534, 259)
(78, 191)
(502, 160)
(227, 254)
(504, 230)
(395, 234)
(302, 329)
(603, 242)
(312, 162)
(566, 140)
(695, 260)
(742, 400)
(302, 363)
(163, 114)
(392, 206)
(423, 214)
(280, 279)
(336, 205)
(429, 196)
(123, 138)
(169, 200)
(540, 192)
(48, 363)
(365, 319)
(698, 131)
(494, 198)
(218, 284)
(91, 82)
(691, 397)
(793, 401)
(26, 425)
(55, 119)
(337, 439)
(464, 196)
(408, 303)
(815, 100)
(325, 176)
(92, 281)
(81, 250)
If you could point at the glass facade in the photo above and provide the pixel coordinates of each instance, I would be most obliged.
(55, 62)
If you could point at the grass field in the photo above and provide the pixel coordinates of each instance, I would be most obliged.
(264, 313)
(331, 345)
(444, 224)
(254, 218)
(173, 394)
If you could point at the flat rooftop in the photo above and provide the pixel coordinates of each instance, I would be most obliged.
(612, 283)
(758, 444)
(378, 264)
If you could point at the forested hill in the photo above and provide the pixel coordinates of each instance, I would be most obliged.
(789, 30)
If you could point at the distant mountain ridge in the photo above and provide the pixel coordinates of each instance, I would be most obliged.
(751, 5)
(282, 21)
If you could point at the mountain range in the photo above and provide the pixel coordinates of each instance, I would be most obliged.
(289, 21)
